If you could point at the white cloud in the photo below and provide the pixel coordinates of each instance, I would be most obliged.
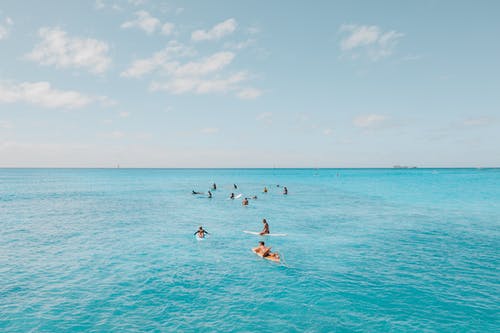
(5, 28)
(218, 31)
(160, 59)
(239, 45)
(143, 21)
(42, 94)
(478, 121)
(180, 85)
(209, 130)
(369, 121)
(249, 93)
(359, 40)
(208, 65)
(60, 50)
(167, 28)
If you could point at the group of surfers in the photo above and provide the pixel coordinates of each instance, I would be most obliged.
(245, 201)
(261, 250)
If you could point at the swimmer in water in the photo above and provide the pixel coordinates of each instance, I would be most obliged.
(232, 196)
(285, 190)
(201, 232)
(245, 202)
(265, 189)
(235, 186)
(209, 194)
(214, 186)
(264, 231)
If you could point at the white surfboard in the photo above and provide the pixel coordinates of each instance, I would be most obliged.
(238, 196)
(258, 234)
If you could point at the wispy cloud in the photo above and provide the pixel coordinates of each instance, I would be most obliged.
(370, 121)
(143, 21)
(209, 130)
(60, 50)
(180, 85)
(162, 59)
(478, 121)
(369, 41)
(5, 27)
(249, 93)
(42, 94)
(218, 31)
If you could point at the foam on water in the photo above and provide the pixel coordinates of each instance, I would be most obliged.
(372, 250)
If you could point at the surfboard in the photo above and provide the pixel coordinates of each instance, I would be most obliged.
(258, 234)
(238, 196)
(200, 238)
(268, 258)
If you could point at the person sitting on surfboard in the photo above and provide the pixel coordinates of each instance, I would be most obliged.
(232, 196)
(209, 194)
(245, 202)
(264, 231)
(265, 252)
(214, 187)
(201, 232)
(285, 190)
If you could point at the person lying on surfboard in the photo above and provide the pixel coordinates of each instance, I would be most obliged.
(264, 231)
(196, 192)
(201, 232)
(265, 252)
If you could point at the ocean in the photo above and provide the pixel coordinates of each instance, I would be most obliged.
(373, 250)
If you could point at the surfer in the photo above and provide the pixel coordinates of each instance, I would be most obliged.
(254, 197)
(265, 252)
(245, 202)
(214, 186)
(285, 190)
(209, 194)
(264, 231)
(201, 232)
(232, 196)
(195, 192)
(265, 189)
(235, 186)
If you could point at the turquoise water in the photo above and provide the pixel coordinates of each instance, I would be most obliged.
(112, 250)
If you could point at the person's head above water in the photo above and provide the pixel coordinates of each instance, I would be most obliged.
(264, 221)
(200, 228)
(261, 243)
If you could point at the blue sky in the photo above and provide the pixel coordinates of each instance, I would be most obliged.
(249, 83)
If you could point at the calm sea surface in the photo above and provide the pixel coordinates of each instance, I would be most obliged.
(112, 250)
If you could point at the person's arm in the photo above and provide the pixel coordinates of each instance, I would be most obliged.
(206, 232)
(195, 233)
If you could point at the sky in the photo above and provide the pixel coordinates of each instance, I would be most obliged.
(143, 83)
